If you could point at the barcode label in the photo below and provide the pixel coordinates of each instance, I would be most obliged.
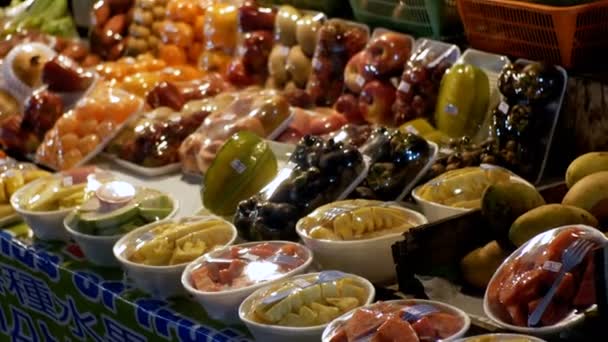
(404, 87)
(238, 166)
(451, 109)
(503, 107)
(552, 266)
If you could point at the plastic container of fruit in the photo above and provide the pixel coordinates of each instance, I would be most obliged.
(300, 187)
(139, 252)
(117, 208)
(539, 259)
(414, 311)
(263, 112)
(43, 204)
(350, 254)
(14, 176)
(263, 331)
(82, 133)
(469, 200)
(18, 88)
(222, 303)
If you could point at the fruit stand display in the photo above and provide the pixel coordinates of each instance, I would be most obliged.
(234, 170)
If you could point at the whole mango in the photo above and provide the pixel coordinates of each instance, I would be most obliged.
(591, 194)
(586, 165)
(546, 217)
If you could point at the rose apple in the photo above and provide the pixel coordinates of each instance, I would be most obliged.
(376, 101)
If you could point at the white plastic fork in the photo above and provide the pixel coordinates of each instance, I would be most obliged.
(572, 256)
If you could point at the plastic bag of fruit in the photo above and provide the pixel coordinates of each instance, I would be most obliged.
(83, 131)
(254, 44)
(370, 76)
(265, 113)
(338, 41)
(144, 30)
(318, 121)
(419, 86)
(110, 25)
(220, 27)
(153, 140)
(296, 33)
(319, 172)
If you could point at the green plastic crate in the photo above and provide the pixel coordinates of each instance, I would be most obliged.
(423, 18)
(327, 6)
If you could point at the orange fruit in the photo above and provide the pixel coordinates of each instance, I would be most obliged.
(172, 54)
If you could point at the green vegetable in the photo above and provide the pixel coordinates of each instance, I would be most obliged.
(463, 101)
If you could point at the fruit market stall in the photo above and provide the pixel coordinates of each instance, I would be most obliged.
(235, 170)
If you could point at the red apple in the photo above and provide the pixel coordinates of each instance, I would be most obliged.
(388, 54)
(253, 18)
(355, 76)
(376, 102)
(348, 105)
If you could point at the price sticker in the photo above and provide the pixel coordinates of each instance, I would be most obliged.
(360, 80)
(68, 181)
(411, 129)
(404, 87)
(503, 107)
(238, 166)
(451, 109)
(552, 266)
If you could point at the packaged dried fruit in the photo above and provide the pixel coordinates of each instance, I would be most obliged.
(144, 31)
(181, 33)
(110, 27)
(118, 70)
(338, 41)
(534, 267)
(318, 172)
(419, 86)
(221, 26)
(265, 113)
(141, 83)
(83, 132)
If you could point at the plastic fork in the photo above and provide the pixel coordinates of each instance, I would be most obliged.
(572, 256)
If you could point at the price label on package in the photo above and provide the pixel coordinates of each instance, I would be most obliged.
(503, 107)
(451, 109)
(404, 87)
(552, 266)
(238, 166)
(68, 181)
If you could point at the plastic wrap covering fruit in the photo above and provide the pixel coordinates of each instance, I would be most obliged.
(524, 121)
(355, 135)
(110, 24)
(368, 77)
(220, 35)
(524, 278)
(463, 101)
(314, 300)
(419, 86)
(264, 113)
(127, 66)
(148, 17)
(254, 44)
(47, 16)
(63, 83)
(181, 33)
(61, 191)
(177, 242)
(242, 167)
(398, 161)
(337, 43)
(356, 220)
(13, 177)
(464, 187)
(396, 320)
(176, 94)
(239, 266)
(318, 172)
(119, 207)
(82, 132)
(154, 139)
(141, 83)
(290, 61)
(318, 121)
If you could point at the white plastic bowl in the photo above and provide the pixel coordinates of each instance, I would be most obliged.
(274, 333)
(502, 338)
(442, 306)
(369, 258)
(436, 211)
(539, 240)
(223, 305)
(46, 225)
(99, 249)
(159, 281)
